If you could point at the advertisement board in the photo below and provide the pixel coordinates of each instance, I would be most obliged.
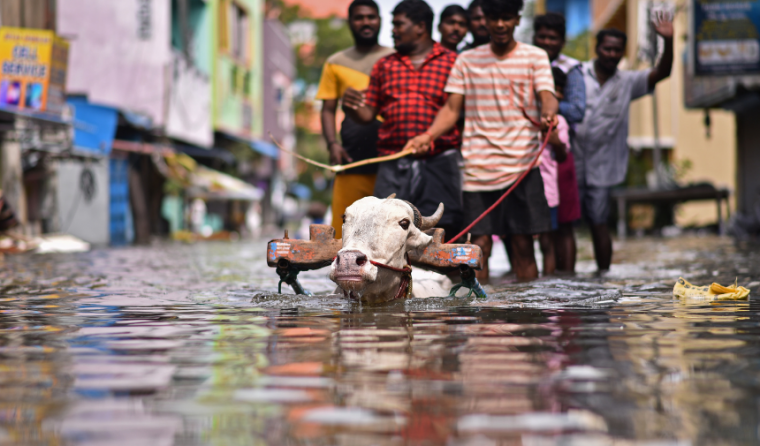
(725, 37)
(33, 66)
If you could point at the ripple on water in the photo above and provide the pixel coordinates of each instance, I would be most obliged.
(191, 345)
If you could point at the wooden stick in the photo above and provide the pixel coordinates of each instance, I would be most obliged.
(379, 159)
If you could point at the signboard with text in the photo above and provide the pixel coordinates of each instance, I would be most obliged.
(725, 37)
(33, 66)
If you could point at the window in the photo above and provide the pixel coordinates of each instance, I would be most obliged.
(234, 35)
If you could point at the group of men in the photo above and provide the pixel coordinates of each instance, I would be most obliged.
(475, 118)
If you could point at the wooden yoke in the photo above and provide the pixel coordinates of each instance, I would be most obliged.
(445, 258)
(317, 252)
(322, 247)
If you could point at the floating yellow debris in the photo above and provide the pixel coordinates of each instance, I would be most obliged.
(714, 291)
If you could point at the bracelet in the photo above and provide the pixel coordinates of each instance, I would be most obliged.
(427, 132)
(329, 143)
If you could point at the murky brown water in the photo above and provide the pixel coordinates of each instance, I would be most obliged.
(178, 344)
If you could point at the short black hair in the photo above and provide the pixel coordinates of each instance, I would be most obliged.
(560, 78)
(356, 3)
(497, 8)
(474, 4)
(552, 21)
(453, 10)
(417, 11)
(611, 32)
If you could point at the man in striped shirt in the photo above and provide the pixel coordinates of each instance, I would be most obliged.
(504, 86)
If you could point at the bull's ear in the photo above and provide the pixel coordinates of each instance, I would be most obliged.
(417, 239)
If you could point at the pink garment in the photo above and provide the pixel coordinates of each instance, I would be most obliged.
(548, 164)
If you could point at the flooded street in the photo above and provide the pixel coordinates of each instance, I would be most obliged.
(189, 345)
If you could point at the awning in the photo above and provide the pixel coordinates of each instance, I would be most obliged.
(265, 148)
(201, 182)
(198, 152)
(210, 184)
(140, 147)
(137, 119)
(48, 118)
(260, 146)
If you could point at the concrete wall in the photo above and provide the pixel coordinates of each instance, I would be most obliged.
(279, 72)
(83, 210)
(119, 53)
(189, 107)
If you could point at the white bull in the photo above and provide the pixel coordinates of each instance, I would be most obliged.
(373, 266)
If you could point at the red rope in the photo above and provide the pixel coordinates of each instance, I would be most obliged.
(516, 183)
(406, 279)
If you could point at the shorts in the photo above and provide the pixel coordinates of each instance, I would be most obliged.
(524, 211)
(426, 182)
(347, 188)
(569, 202)
(595, 203)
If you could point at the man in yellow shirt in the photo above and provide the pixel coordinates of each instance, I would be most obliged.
(344, 69)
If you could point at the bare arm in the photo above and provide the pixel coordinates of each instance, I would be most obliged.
(338, 154)
(356, 108)
(445, 119)
(663, 25)
(549, 108)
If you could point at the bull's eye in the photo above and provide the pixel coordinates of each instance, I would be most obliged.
(343, 217)
(404, 224)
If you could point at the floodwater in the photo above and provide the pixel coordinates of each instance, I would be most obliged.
(188, 345)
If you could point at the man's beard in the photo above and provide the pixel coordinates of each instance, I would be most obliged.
(481, 39)
(364, 41)
(404, 48)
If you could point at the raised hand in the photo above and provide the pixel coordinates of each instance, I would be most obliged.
(663, 24)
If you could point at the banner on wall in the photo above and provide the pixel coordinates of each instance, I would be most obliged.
(33, 66)
(725, 37)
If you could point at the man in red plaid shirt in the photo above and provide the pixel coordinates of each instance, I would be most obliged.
(406, 91)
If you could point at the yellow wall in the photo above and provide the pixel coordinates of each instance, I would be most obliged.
(684, 129)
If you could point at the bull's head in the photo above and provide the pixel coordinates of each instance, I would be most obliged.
(383, 231)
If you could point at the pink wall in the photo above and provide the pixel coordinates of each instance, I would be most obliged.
(120, 52)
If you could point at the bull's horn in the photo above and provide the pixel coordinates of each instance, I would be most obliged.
(391, 196)
(430, 222)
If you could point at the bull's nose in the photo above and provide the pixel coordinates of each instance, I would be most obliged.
(351, 258)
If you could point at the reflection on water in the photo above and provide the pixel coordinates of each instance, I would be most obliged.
(188, 345)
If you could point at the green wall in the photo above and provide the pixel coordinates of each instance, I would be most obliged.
(237, 85)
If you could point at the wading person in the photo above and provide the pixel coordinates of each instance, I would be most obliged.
(600, 145)
(549, 35)
(554, 154)
(500, 142)
(476, 22)
(406, 90)
(350, 68)
(452, 26)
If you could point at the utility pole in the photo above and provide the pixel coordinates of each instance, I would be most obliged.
(656, 150)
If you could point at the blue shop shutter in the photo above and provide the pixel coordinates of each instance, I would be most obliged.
(122, 232)
(98, 125)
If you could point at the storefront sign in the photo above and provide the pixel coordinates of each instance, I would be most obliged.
(33, 67)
